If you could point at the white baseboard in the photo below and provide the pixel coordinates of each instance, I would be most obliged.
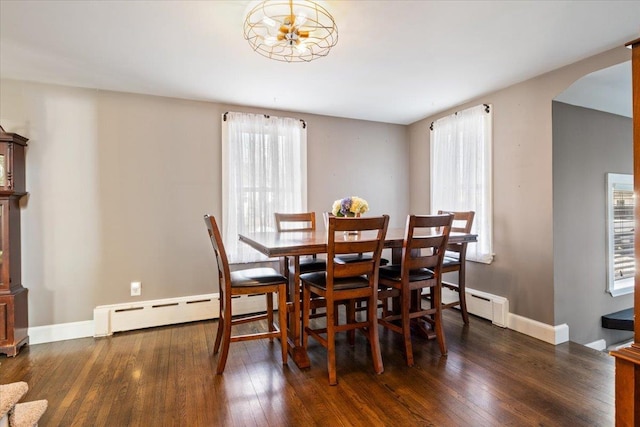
(108, 319)
(60, 332)
(619, 345)
(547, 333)
(599, 345)
(129, 316)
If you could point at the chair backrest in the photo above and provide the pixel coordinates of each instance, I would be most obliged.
(224, 274)
(425, 242)
(325, 217)
(369, 240)
(304, 221)
(462, 223)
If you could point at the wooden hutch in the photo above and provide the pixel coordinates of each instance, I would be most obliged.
(14, 313)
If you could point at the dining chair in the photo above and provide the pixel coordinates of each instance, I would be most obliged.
(292, 267)
(455, 261)
(346, 258)
(252, 281)
(346, 283)
(423, 251)
(291, 222)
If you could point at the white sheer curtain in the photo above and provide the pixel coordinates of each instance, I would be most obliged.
(461, 172)
(264, 170)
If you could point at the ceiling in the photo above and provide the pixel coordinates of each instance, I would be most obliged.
(607, 90)
(395, 61)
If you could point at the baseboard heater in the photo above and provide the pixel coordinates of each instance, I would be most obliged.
(147, 314)
(109, 319)
(482, 304)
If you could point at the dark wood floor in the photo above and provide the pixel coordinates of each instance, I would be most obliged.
(165, 377)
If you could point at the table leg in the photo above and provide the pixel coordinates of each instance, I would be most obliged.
(297, 352)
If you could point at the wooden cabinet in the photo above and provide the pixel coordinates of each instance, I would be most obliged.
(14, 313)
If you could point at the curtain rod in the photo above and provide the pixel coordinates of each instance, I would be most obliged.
(266, 116)
(487, 109)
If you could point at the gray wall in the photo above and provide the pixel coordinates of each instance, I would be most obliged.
(118, 185)
(523, 266)
(587, 144)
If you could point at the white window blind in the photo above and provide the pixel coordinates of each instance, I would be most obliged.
(264, 171)
(461, 172)
(620, 234)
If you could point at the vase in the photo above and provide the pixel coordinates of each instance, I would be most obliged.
(352, 235)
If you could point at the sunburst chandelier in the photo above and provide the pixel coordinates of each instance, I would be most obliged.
(290, 31)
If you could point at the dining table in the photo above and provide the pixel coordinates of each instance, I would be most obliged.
(276, 244)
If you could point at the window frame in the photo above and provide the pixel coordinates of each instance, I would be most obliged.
(625, 285)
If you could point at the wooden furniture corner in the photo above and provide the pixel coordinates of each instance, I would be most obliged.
(14, 313)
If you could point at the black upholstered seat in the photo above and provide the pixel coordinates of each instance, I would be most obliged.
(256, 277)
(394, 272)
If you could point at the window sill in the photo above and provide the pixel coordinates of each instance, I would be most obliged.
(621, 291)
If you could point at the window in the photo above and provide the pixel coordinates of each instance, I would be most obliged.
(264, 170)
(621, 266)
(461, 172)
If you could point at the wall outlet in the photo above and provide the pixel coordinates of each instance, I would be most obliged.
(136, 289)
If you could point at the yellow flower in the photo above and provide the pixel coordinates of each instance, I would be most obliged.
(358, 205)
(350, 206)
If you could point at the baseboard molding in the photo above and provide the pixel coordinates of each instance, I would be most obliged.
(60, 332)
(108, 319)
(129, 316)
(551, 334)
(618, 346)
(599, 345)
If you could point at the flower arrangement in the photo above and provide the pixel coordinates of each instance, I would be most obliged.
(350, 206)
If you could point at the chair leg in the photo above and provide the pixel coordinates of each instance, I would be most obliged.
(272, 328)
(372, 318)
(216, 346)
(437, 296)
(306, 306)
(351, 318)
(462, 295)
(226, 340)
(385, 307)
(282, 318)
(331, 344)
(405, 303)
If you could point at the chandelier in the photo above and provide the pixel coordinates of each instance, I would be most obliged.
(290, 31)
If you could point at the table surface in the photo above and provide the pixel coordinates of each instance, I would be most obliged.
(291, 243)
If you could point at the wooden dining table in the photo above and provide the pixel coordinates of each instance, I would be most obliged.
(276, 244)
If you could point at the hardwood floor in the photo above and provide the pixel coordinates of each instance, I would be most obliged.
(166, 377)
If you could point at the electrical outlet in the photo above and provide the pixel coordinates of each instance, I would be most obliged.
(136, 289)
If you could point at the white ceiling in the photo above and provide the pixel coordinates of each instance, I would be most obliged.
(395, 61)
(605, 90)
